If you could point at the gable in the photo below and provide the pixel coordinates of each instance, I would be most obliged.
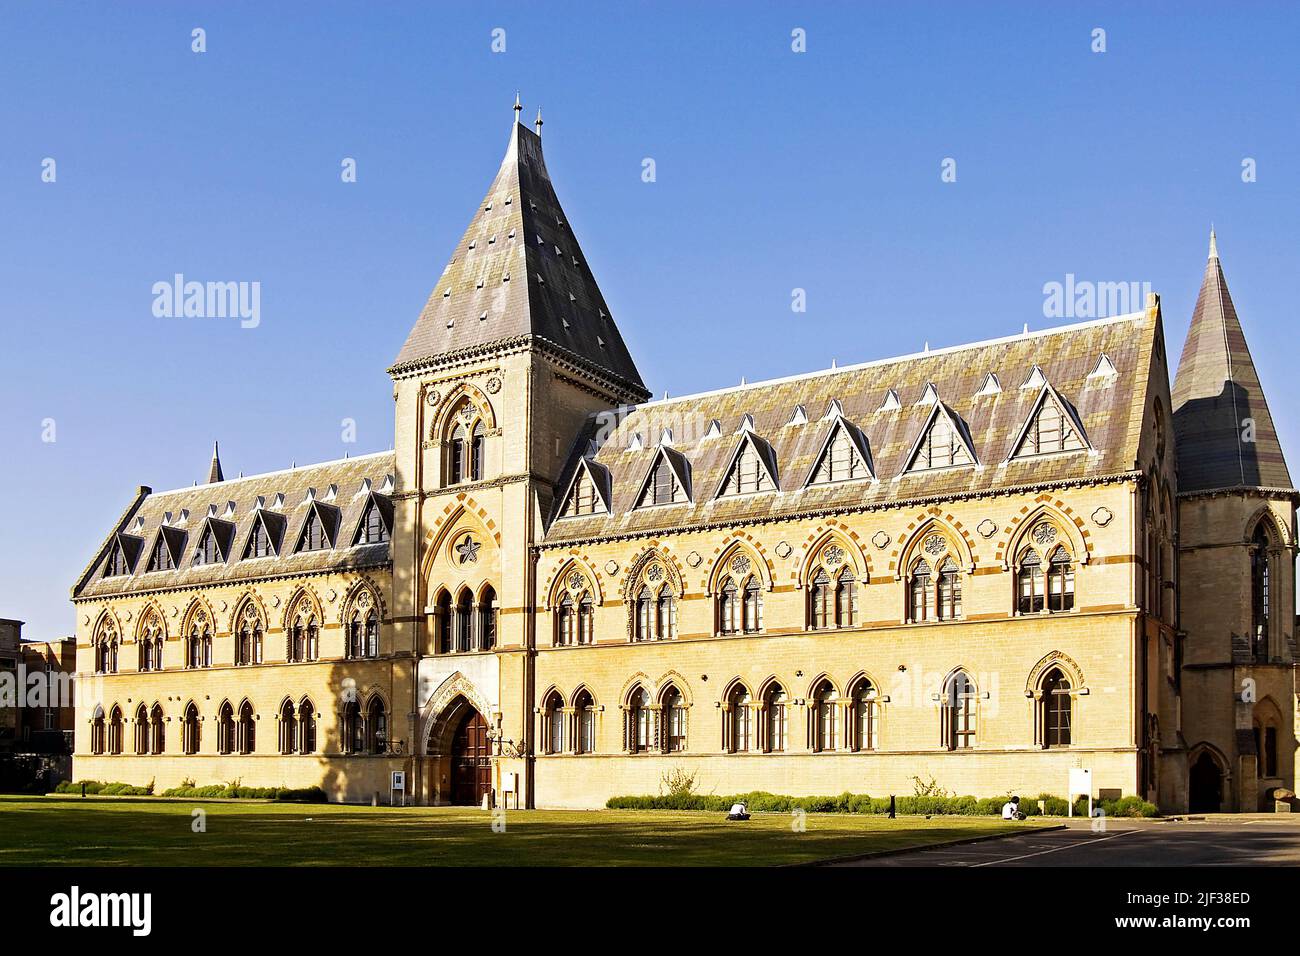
(668, 480)
(943, 443)
(844, 455)
(752, 469)
(1052, 426)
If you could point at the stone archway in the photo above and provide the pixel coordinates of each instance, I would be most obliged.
(1205, 784)
(458, 742)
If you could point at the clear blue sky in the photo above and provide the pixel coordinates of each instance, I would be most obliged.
(775, 170)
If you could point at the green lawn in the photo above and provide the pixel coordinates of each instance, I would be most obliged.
(109, 832)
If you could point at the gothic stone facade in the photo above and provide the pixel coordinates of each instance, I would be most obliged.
(963, 566)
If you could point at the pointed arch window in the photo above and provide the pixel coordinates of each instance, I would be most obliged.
(198, 643)
(934, 590)
(115, 730)
(833, 599)
(106, 645)
(376, 727)
(959, 703)
(226, 729)
(863, 717)
(673, 710)
(1055, 709)
(303, 643)
(248, 646)
(157, 731)
(487, 619)
(141, 730)
(151, 644)
(775, 719)
(306, 727)
(246, 732)
(288, 728)
(476, 452)
(97, 732)
(554, 717)
(353, 728)
(644, 614)
(466, 445)
(1045, 574)
(740, 605)
(584, 706)
(739, 721)
(825, 729)
(665, 615)
(464, 622)
(639, 733)
(190, 730)
(586, 619)
(1261, 586)
(363, 633)
(443, 623)
(565, 622)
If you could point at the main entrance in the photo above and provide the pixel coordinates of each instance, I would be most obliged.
(471, 761)
(1205, 790)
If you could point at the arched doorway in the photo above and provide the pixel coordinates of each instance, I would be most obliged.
(1205, 785)
(471, 760)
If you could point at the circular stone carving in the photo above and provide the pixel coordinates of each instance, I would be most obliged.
(86, 618)
(987, 528)
(654, 573)
(881, 540)
(833, 554)
(741, 564)
(611, 567)
(333, 595)
(433, 398)
(1043, 533)
(934, 544)
(694, 559)
(224, 606)
(783, 550)
(493, 385)
(576, 581)
(275, 600)
(1102, 516)
(175, 610)
(127, 617)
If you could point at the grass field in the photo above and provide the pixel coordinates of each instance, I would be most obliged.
(42, 831)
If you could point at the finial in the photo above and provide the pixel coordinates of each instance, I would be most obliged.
(1214, 246)
(518, 106)
(214, 472)
(537, 123)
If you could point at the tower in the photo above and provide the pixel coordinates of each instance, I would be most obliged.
(514, 349)
(1236, 553)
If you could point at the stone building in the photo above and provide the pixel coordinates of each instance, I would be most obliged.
(963, 566)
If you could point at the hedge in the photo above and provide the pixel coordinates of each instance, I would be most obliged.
(220, 791)
(761, 802)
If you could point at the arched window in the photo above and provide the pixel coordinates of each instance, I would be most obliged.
(456, 461)
(1055, 709)
(740, 716)
(97, 731)
(141, 728)
(1260, 596)
(363, 633)
(248, 648)
(306, 727)
(553, 713)
(822, 610)
(476, 452)
(1045, 573)
(464, 621)
(303, 643)
(198, 644)
(353, 728)
(846, 599)
(825, 717)
(864, 715)
(564, 622)
(288, 728)
(673, 710)
(666, 615)
(586, 619)
(226, 729)
(190, 730)
(934, 590)
(115, 730)
(1030, 581)
(775, 718)
(151, 642)
(247, 730)
(959, 712)
(753, 610)
(644, 612)
(487, 619)
(729, 614)
(584, 706)
(157, 730)
(1060, 580)
(639, 735)
(376, 727)
(106, 649)
(740, 605)
(442, 617)
(465, 445)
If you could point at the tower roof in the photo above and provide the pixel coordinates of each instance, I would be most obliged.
(1216, 397)
(518, 272)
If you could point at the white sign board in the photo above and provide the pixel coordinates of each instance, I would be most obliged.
(1080, 786)
(399, 780)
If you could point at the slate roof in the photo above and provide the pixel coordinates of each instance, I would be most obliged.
(1110, 409)
(518, 271)
(1215, 391)
(140, 526)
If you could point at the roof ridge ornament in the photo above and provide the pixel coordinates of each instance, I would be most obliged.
(1214, 245)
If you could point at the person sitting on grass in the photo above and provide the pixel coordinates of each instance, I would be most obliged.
(738, 812)
(1011, 810)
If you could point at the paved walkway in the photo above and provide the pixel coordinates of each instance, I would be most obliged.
(1236, 840)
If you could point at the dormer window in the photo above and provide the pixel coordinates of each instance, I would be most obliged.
(583, 498)
(663, 486)
(117, 565)
(843, 458)
(160, 558)
(373, 529)
(1050, 428)
(749, 472)
(313, 534)
(259, 542)
(208, 551)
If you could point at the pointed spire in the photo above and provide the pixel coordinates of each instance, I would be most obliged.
(1224, 432)
(214, 472)
(537, 124)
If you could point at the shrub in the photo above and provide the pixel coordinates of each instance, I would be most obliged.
(760, 801)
